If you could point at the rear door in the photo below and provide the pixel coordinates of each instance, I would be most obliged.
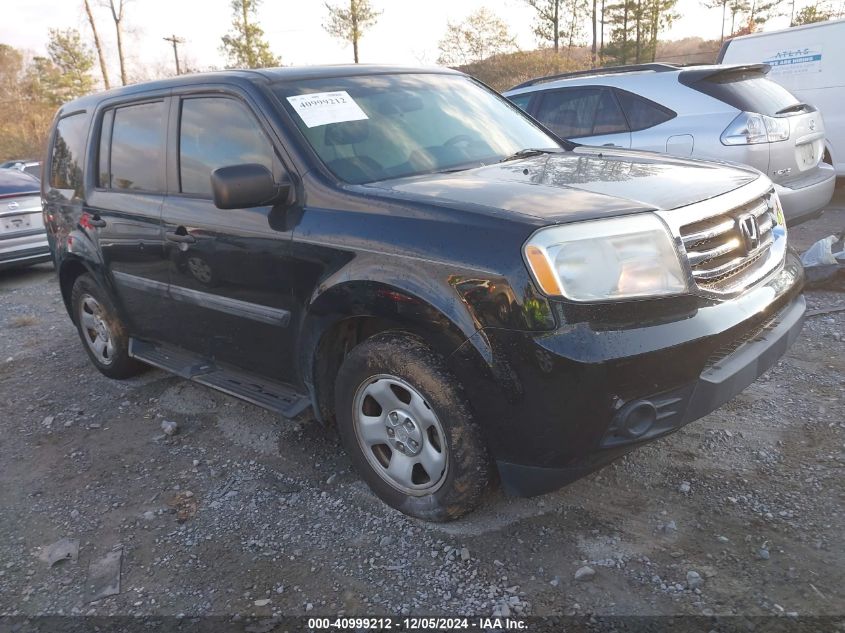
(124, 209)
(589, 115)
(231, 276)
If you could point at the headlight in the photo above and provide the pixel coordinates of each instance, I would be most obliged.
(750, 128)
(620, 258)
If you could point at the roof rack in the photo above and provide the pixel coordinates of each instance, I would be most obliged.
(611, 70)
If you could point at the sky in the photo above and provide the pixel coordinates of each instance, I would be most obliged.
(407, 31)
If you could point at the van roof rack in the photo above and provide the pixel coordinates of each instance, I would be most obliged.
(610, 70)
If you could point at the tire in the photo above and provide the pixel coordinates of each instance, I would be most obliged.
(103, 334)
(398, 405)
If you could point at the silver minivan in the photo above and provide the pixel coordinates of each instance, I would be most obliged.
(729, 113)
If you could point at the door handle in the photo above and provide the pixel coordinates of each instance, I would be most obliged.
(610, 145)
(179, 238)
(94, 221)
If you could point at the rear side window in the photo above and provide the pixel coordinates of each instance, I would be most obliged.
(748, 91)
(575, 112)
(217, 132)
(68, 150)
(136, 154)
(642, 113)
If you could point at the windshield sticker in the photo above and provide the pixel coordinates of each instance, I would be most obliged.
(322, 108)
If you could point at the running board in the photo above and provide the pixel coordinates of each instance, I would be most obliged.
(274, 396)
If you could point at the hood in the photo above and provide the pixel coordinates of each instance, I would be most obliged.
(582, 184)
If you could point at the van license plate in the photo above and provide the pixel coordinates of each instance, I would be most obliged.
(16, 223)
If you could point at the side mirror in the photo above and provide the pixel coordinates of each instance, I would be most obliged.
(244, 186)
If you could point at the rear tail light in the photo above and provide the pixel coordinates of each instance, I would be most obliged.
(750, 128)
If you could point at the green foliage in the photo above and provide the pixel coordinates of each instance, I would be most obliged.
(66, 74)
(245, 45)
(812, 14)
(635, 26)
(481, 35)
(559, 20)
(349, 24)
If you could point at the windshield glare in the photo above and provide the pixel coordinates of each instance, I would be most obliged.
(409, 124)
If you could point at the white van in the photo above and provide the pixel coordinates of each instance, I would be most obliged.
(809, 61)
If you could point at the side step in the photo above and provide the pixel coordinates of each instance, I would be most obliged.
(274, 396)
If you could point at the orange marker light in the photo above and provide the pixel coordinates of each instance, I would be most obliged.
(543, 272)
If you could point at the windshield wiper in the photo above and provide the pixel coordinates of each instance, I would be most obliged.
(795, 107)
(528, 152)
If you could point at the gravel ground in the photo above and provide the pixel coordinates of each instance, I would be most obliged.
(238, 512)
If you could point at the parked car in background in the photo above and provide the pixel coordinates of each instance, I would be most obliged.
(730, 113)
(412, 258)
(807, 61)
(31, 167)
(23, 240)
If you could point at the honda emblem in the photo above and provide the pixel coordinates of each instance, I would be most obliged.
(749, 230)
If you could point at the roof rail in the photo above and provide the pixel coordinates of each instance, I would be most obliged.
(610, 70)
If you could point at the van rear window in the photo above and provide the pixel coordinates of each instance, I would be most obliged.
(749, 91)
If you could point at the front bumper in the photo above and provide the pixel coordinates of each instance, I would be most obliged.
(568, 402)
(805, 198)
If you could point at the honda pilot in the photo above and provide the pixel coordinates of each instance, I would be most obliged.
(405, 255)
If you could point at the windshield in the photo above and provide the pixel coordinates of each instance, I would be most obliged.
(376, 127)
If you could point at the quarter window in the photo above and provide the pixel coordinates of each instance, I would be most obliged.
(217, 132)
(136, 148)
(642, 113)
(576, 112)
(68, 150)
(522, 100)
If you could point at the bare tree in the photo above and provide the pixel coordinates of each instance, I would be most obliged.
(547, 20)
(350, 24)
(479, 36)
(117, 8)
(103, 69)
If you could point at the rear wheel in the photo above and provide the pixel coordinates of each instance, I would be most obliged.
(101, 330)
(408, 429)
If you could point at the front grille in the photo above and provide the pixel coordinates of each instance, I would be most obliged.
(722, 257)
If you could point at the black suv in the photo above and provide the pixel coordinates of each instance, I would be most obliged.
(404, 253)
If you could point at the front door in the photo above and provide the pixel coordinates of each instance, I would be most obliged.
(230, 273)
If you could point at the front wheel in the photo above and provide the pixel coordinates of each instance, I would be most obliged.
(408, 429)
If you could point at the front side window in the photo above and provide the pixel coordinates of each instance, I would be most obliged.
(217, 132)
(377, 127)
(68, 149)
(136, 148)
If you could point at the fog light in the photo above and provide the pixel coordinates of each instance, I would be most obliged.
(635, 419)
